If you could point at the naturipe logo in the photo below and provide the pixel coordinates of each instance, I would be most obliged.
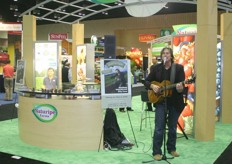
(45, 112)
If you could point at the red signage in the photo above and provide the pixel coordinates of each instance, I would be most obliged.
(58, 36)
(14, 32)
(146, 37)
(4, 57)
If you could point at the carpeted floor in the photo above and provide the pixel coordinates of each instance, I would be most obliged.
(191, 151)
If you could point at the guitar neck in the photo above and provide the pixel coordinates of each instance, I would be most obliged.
(173, 85)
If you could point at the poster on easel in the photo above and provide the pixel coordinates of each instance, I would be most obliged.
(115, 83)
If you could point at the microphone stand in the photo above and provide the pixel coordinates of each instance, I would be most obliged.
(164, 157)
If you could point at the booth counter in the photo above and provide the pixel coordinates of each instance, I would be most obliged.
(58, 123)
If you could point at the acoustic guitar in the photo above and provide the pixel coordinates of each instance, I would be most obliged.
(165, 90)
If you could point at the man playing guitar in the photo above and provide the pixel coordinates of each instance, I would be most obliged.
(175, 103)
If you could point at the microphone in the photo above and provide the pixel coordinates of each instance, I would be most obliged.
(164, 59)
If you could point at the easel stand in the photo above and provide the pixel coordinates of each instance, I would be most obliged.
(131, 130)
(15, 101)
(182, 130)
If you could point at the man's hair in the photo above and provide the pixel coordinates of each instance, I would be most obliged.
(50, 68)
(170, 50)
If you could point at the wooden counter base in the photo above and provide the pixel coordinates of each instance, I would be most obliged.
(78, 125)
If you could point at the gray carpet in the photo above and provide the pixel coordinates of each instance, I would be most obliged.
(226, 156)
(8, 111)
(6, 158)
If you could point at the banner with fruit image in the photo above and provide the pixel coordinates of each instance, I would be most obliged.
(184, 29)
(184, 53)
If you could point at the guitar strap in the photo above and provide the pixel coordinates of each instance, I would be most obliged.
(173, 73)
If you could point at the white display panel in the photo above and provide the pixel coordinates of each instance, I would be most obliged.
(46, 55)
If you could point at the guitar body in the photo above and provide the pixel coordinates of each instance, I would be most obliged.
(158, 97)
(165, 85)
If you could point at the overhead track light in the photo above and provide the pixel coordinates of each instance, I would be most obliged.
(103, 1)
(16, 14)
(14, 7)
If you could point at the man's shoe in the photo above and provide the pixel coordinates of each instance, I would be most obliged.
(121, 110)
(157, 157)
(129, 109)
(174, 154)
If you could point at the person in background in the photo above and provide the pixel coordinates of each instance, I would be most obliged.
(70, 74)
(175, 103)
(8, 73)
(65, 76)
(65, 71)
(50, 82)
(154, 62)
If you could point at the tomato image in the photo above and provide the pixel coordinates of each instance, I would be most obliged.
(181, 38)
(176, 41)
(183, 50)
(191, 88)
(187, 111)
(188, 38)
(187, 70)
(181, 61)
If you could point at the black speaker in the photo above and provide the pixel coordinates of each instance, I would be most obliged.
(145, 63)
(109, 47)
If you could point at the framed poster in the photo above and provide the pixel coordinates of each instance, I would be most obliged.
(115, 83)
(85, 62)
(81, 62)
(20, 72)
